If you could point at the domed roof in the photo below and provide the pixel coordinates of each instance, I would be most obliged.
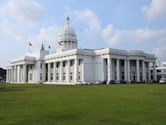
(67, 32)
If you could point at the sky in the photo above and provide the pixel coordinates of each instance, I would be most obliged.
(121, 24)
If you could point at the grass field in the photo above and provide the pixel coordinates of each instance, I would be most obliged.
(131, 104)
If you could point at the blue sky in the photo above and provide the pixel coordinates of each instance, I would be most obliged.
(122, 24)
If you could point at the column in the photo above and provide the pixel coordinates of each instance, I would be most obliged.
(54, 72)
(103, 70)
(22, 75)
(25, 73)
(11, 74)
(138, 72)
(18, 74)
(125, 69)
(128, 71)
(117, 71)
(149, 73)
(154, 71)
(7, 75)
(60, 72)
(143, 71)
(48, 74)
(12, 77)
(83, 68)
(109, 70)
(43, 72)
(76, 70)
(68, 71)
(14, 73)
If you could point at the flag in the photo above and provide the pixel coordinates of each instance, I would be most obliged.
(30, 44)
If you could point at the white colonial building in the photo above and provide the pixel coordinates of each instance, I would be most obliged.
(71, 65)
(161, 71)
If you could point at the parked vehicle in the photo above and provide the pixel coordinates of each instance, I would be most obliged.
(162, 80)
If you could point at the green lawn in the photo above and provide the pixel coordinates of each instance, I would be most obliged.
(131, 104)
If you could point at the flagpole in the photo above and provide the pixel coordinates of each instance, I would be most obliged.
(28, 47)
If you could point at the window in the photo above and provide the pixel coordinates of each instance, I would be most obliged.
(30, 67)
(71, 76)
(46, 66)
(79, 76)
(41, 76)
(71, 63)
(57, 76)
(79, 62)
(57, 65)
(30, 77)
(46, 77)
(64, 78)
(64, 64)
(52, 65)
(51, 76)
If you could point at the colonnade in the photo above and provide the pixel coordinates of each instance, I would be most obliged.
(72, 71)
(133, 70)
(64, 71)
(17, 74)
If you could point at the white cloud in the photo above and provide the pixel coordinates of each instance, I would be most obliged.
(47, 36)
(89, 24)
(160, 51)
(17, 16)
(114, 36)
(12, 31)
(90, 18)
(23, 11)
(155, 38)
(157, 8)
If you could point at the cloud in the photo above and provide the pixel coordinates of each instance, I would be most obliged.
(89, 26)
(157, 8)
(46, 35)
(114, 36)
(23, 11)
(12, 31)
(18, 16)
(90, 18)
(160, 51)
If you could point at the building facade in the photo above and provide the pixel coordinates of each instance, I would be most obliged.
(161, 71)
(71, 65)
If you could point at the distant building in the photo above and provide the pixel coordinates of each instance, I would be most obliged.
(2, 75)
(161, 71)
(71, 65)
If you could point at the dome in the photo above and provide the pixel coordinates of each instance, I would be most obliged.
(67, 33)
(67, 38)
